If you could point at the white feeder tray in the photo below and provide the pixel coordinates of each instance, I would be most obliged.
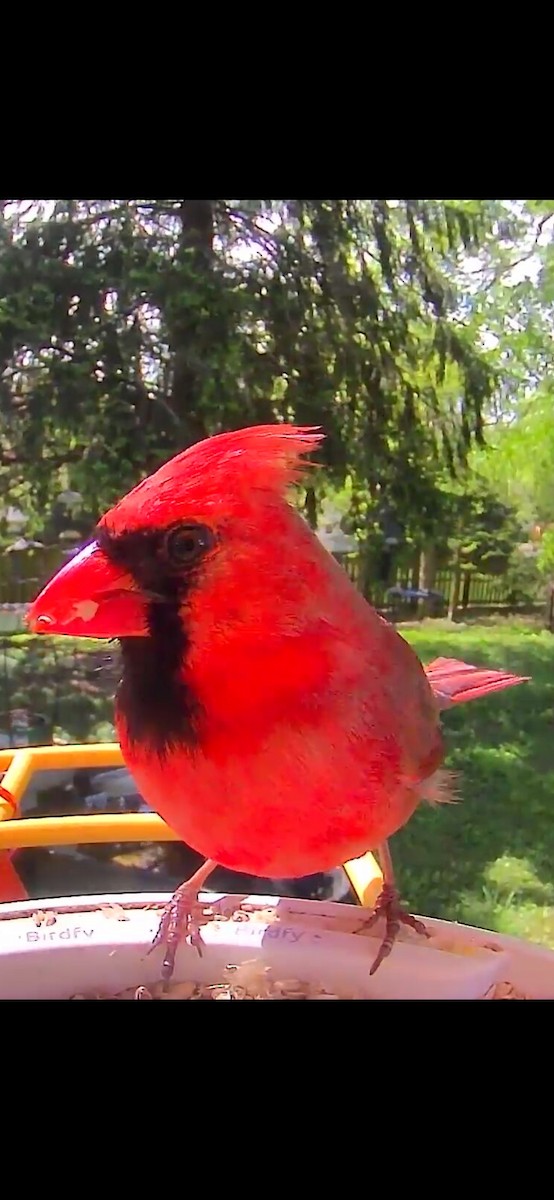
(85, 950)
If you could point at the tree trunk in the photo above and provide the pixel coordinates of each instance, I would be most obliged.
(386, 567)
(310, 507)
(413, 578)
(427, 577)
(185, 319)
(466, 590)
(365, 571)
(454, 599)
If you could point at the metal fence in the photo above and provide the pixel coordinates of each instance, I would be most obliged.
(474, 589)
(49, 690)
(23, 572)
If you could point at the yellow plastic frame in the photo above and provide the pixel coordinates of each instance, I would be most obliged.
(15, 832)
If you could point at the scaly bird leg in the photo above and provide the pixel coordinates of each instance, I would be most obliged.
(389, 906)
(178, 922)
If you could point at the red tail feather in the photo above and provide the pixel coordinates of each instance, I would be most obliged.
(453, 681)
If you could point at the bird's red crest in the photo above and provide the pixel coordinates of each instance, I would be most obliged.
(264, 458)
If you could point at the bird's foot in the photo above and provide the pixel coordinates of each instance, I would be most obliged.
(180, 922)
(389, 906)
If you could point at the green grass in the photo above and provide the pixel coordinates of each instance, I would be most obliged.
(489, 859)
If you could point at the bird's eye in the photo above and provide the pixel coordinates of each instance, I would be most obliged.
(185, 544)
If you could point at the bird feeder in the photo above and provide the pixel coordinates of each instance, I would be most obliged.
(97, 947)
(294, 948)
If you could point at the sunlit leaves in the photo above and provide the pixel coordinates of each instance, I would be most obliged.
(130, 328)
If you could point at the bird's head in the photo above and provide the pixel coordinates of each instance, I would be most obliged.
(210, 533)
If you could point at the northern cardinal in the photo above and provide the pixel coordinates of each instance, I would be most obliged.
(266, 711)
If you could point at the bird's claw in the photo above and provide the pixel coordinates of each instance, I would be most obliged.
(179, 923)
(388, 906)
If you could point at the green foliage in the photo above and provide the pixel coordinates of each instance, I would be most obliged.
(69, 682)
(479, 530)
(512, 309)
(519, 463)
(524, 578)
(411, 330)
(546, 554)
(128, 329)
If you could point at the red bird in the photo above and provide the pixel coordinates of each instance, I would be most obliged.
(266, 711)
